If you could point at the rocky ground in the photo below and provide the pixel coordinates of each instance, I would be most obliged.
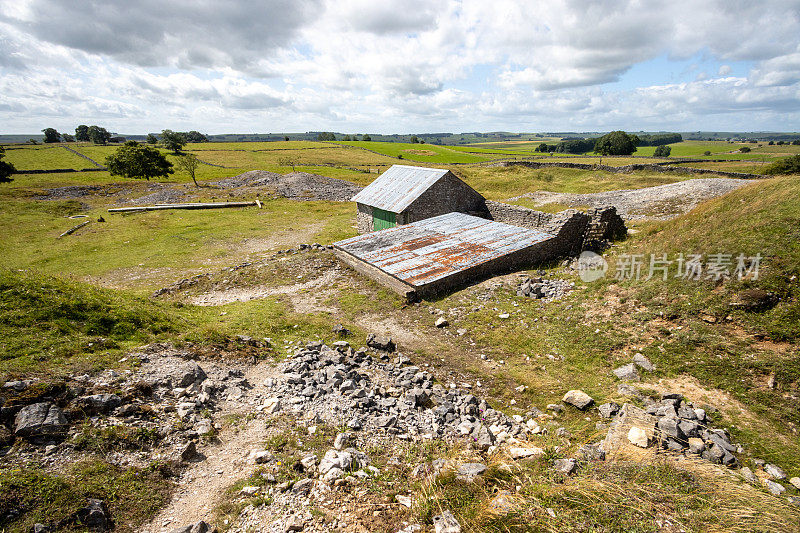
(659, 202)
(317, 441)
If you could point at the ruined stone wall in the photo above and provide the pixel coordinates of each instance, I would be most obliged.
(364, 218)
(578, 231)
(448, 195)
(517, 215)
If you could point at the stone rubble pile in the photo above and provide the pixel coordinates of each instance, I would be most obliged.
(378, 390)
(544, 289)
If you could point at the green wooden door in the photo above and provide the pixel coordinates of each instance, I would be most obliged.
(382, 219)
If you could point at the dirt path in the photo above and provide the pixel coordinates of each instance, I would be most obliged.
(202, 486)
(245, 294)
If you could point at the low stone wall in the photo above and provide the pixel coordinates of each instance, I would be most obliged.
(59, 170)
(630, 168)
(578, 231)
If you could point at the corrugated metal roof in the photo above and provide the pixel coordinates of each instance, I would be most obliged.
(431, 249)
(398, 187)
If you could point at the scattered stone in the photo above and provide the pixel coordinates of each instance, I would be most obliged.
(40, 420)
(341, 331)
(272, 405)
(775, 488)
(441, 322)
(343, 440)
(749, 476)
(608, 410)
(261, 457)
(627, 373)
(503, 316)
(94, 515)
(578, 398)
(795, 482)
(469, 471)
(775, 472)
(638, 437)
(198, 527)
(502, 504)
(794, 500)
(381, 342)
(565, 466)
(592, 452)
(643, 362)
(294, 523)
(403, 500)
(525, 452)
(303, 486)
(191, 373)
(555, 407)
(446, 523)
(189, 451)
(696, 445)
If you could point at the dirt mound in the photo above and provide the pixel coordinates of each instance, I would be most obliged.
(295, 185)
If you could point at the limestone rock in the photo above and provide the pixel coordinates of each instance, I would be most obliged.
(40, 420)
(775, 488)
(627, 373)
(608, 410)
(578, 398)
(643, 362)
(441, 322)
(381, 342)
(446, 523)
(469, 471)
(565, 466)
(775, 472)
(749, 476)
(795, 482)
(637, 437)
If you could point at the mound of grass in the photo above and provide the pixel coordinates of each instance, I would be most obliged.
(132, 495)
(48, 323)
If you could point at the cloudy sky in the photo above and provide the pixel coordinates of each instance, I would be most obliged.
(399, 66)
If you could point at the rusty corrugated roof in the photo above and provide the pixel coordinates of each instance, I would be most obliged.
(431, 249)
(398, 187)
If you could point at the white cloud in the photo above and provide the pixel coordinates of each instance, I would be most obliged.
(376, 65)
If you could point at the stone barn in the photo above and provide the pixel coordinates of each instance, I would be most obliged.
(405, 194)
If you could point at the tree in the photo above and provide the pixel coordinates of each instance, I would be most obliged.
(662, 151)
(196, 137)
(98, 135)
(796, 142)
(173, 140)
(151, 139)
(414, 139)
(707, 152)
(772, 142)
(67, 138)
(541, 148)
(788, 165)
(347, 138)
(82, 133)
(744, 149)
(6, 169)
(616, 143)
(285, 137)
(188, 163)
(51, 135)
(326, 136)
(366, 137)
(138, 161)
(287, 161)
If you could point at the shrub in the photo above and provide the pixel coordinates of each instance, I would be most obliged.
(789, 165)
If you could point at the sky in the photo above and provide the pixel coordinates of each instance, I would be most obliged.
(410, 66)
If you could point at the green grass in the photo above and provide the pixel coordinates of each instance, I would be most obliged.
(132, 495)
(425, 153)
(169, 244)
(45, 158)
(51, 324)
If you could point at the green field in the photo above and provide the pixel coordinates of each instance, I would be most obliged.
(80, 303)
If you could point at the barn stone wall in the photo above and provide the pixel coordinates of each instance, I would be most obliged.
(447, 195)
(364, 218)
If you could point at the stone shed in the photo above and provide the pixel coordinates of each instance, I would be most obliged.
(405, 194)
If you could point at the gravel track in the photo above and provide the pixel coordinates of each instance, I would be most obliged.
(661, 202)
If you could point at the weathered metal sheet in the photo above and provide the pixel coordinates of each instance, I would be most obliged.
(398, 187)
(429, 250)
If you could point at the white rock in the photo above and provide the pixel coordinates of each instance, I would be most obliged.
(403, 500)
(272, 405)
(503, 315)
(637, 437)
(524, 452)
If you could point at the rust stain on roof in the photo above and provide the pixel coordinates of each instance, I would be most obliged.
(432, 249)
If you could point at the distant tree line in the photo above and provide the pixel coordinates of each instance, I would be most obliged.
(613, 143)
(659, 139)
